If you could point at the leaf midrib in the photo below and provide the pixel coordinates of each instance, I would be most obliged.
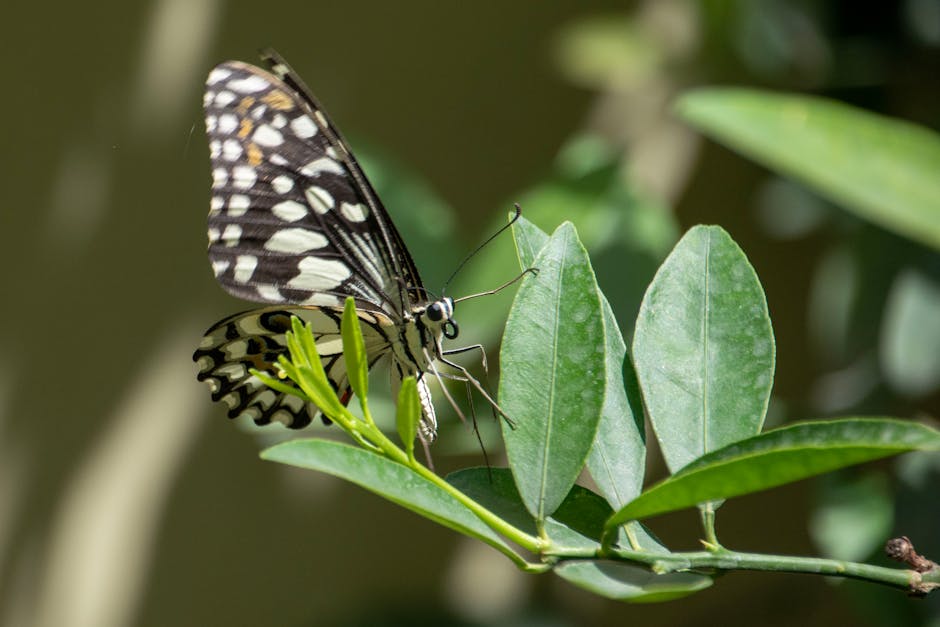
(551, 388)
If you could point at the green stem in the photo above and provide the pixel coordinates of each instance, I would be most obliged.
(494, 522)
(726, 560)
(708, 524)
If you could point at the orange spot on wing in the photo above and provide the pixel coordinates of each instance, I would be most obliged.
(254, 154)
(277, 99)
(244, 104)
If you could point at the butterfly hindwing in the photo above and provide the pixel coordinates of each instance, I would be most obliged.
(255, 339)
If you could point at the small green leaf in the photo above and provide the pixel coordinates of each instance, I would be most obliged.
(704, 347)
(305, 369)
(354, 352)
(386, 478)
(910, 337)
(883, 169)
(553, 373)
(777, 457)
(409, 413)
(853, 515)
(625, 582)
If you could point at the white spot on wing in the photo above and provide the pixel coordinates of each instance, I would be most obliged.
(282, 184)
(215, 204)
(319, 199)
(231, 235)
(224, 98)
(227, 123)
(317, 274)
(270, 293)
(215, 147)
(213, 236)
(248, 85)
(321, 165)
(219, 266)
(289, 210)
(354, 212)
(279, 121)
(238, 205)
(303, 127)
(268, 136)
(277, 159)
(218, 74)
(231, 150)
(244, 267)
(211, 123)
(243, 176)
(295, 241)
(219, 177)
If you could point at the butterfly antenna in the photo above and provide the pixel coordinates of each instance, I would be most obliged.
(518, 212)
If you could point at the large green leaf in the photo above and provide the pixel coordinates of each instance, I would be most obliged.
(386, 478)
(633, 584)
(704, 348)
(553, 373)
(883, 169)
(777, 457)
(617, 460)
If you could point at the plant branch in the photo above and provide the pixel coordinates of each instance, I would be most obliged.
(728, 560)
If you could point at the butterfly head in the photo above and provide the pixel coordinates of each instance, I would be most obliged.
(441, 313)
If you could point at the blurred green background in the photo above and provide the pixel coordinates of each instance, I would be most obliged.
(126, 498)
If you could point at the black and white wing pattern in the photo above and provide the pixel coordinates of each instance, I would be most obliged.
(294, 223)
(292, 217)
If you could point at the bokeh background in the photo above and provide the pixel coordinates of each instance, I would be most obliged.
(127, 498)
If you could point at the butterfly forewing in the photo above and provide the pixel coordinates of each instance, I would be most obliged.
(290, 220)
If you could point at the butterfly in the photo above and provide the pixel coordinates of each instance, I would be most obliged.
(295, 224)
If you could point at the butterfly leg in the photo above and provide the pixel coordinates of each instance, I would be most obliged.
(470, 379)
(467, 349)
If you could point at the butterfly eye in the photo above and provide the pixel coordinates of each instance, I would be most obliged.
(435, 312)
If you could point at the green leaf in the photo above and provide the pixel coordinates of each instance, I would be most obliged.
(617, 461)
(853, 515)
(704, 347)
(625, 582)
(777, 457)
(306, 369)
(408, 415)
(577, 523)
(910, 337)
(354, 352)
(529, 240)
(883, 169)
(553, 373)
(386, 478)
